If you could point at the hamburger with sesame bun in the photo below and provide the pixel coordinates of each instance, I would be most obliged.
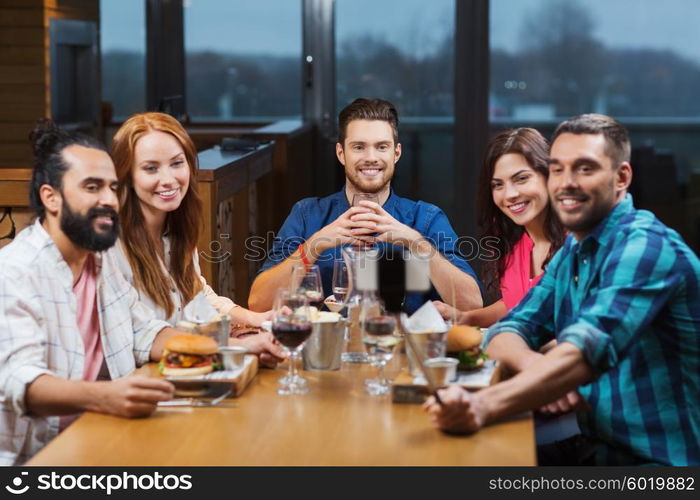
(466, 341)
(188, 355)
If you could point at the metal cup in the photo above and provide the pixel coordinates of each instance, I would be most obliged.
(429, 344)
(323, 349)
(441, 371)
(233, 357)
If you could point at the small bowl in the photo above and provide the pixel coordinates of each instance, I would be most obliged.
(332, 305)
(233, 357)
(444, 370)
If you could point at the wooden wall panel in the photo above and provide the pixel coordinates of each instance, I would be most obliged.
(22, 74)
(15, 131)
(209, 268)
(10, 56)
(20, 113)
(23, 98)
(22, 80)
(240, 230)
(19, 95)
(14, 193)
(22, 4)
(20, 17)
(220, 249)
(22, 36)
(14, 188)
(24, 68)
(16, 152)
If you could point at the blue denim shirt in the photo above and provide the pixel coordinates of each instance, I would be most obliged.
(311, 214)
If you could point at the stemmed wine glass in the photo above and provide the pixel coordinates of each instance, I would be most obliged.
(307, 281)
(380, 339)
(291, 326)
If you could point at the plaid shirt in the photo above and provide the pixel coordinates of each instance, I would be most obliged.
(39, 333)
(628, 296)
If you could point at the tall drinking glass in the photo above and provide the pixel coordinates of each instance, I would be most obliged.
(291, 326)
(307, 281)
(354, 349)
(357, 198)
(341, 281)
(380, 339)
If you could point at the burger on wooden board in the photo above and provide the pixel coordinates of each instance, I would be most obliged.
(189, 355)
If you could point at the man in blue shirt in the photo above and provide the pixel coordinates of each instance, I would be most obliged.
(317, 228)
(622, 299)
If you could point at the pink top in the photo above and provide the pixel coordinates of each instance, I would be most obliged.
(516, 280)
(85, 290)
(88, 322)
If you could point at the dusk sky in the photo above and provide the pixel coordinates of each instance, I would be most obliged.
(274, 26)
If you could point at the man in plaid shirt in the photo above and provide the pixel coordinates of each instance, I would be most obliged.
(71, 327)
(622, 300)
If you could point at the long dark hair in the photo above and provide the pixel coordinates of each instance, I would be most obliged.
(492, 222)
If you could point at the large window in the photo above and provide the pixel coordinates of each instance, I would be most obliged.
(243, 59)
(403, 51)
(637, 60)
(551, 59)
(123, 46)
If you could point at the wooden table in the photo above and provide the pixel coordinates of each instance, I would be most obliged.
(335, 423)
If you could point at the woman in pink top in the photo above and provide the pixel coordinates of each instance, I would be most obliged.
(516, 219)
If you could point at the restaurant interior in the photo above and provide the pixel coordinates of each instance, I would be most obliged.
(258, 86)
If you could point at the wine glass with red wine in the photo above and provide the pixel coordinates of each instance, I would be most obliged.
(307, 280)
(291, 326)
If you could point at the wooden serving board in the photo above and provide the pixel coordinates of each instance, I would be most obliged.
(239, 379)
(407, 390)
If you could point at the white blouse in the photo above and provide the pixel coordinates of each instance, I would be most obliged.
(205, 305)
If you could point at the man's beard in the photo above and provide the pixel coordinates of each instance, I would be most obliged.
(355, 180)
(589, 219)
(80, 228)
(367, 189)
